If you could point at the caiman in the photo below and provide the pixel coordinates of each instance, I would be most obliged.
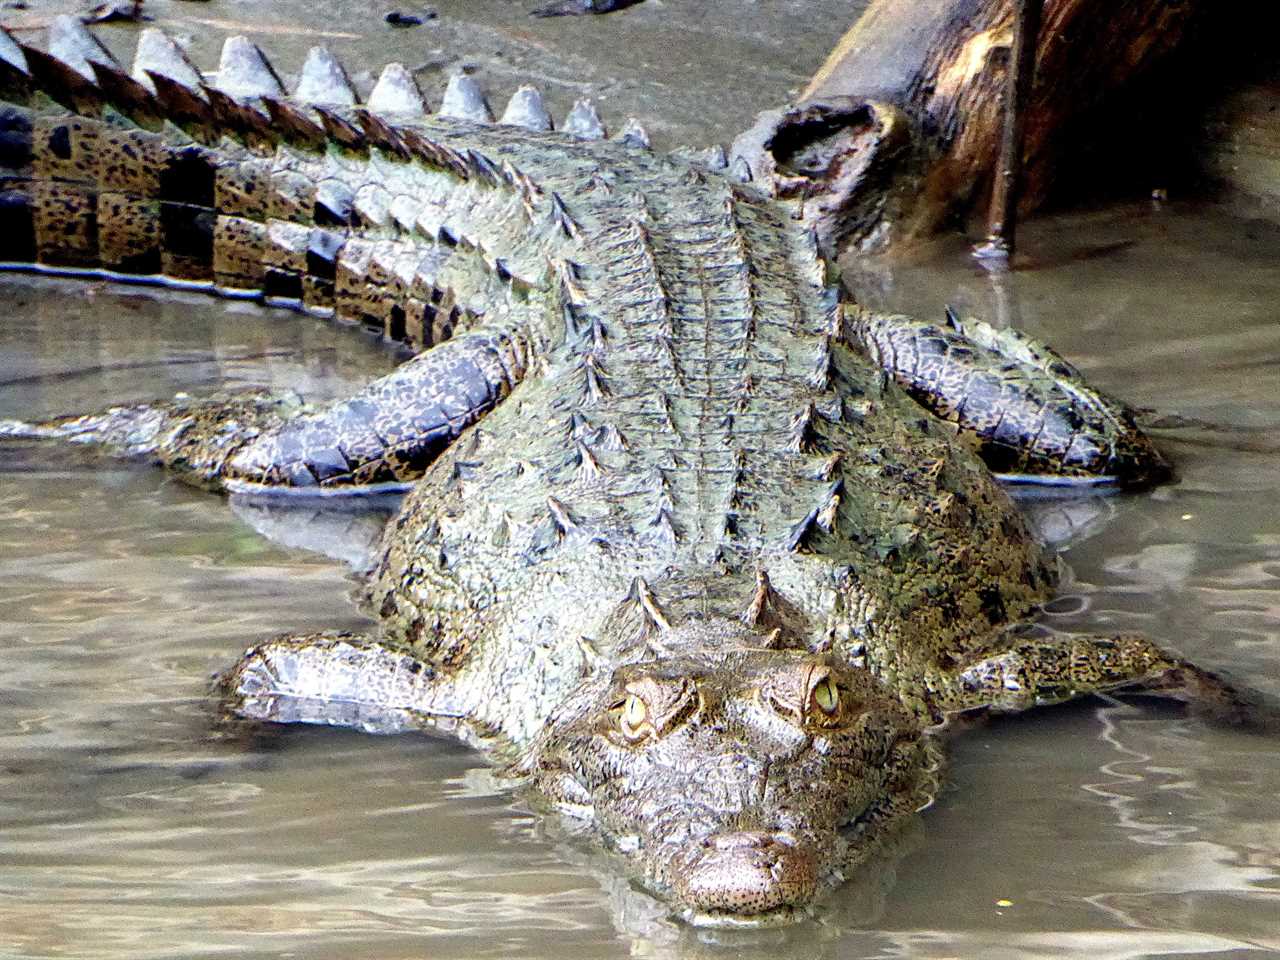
(699, 552)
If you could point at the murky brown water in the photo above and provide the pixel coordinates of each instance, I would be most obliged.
(130, 827)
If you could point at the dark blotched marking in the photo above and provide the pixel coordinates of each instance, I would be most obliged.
(334, 205)
(15, 138)
(1000, 458)
(323, 248)
(992, 604)
(17, 227)
(146, 263)
(395, 323)
(187, 231)
(188, 177)
(284, 284)
(60, 142)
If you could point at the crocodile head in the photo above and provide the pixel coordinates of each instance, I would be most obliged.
(738, 783)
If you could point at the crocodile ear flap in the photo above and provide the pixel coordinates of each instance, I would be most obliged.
(397, 94)
(526, 109)
(584, 123)
(464, 100)
(324, 81)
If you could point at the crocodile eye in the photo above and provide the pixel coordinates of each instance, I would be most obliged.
(826, 696)
(824, 706)
(633, 718)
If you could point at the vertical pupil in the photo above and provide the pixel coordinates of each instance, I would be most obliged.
(824, 694)
(634, 712)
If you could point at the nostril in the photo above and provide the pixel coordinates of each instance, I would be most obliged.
(748, 872)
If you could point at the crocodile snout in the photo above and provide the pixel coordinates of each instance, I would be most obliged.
(748, 873)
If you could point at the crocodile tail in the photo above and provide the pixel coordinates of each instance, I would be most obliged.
(22, 430)
(382, 212)
(194, 437)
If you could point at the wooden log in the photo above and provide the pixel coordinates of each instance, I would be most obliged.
(898, 133)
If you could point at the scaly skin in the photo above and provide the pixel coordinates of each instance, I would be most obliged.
(704, 574)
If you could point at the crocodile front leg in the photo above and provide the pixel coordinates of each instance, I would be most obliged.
(1043, 671)
(339, 679)
(381, 438)
(1026, 410)
(390, 432)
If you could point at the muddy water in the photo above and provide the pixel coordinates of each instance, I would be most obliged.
(134, 825)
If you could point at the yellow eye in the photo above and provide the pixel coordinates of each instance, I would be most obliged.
(634, 717)
(826, 696)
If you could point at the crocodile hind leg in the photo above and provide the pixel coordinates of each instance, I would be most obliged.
(1026, 410)
(383, 437)
(1043, 671)
(340, 679)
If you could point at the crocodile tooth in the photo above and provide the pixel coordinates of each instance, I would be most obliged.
(157, 53)
(463, 100)
(740, 170)
(72, 43)
(714, 158)
(11, 54)
(397, 93)
(633, 134)
(244, 73)
(323, 80)
(584, 123)
(527, 110)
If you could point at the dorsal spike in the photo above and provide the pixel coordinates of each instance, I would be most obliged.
(324, 80)
(72, 43)
(527, 110)
(715, 158)
(244, 73)
(396, 93)
(583, 122)
(11, 54)
(953, 319)
(181, 104)
(127, 94)
(633, 134)
(158, 53)
(464, 100)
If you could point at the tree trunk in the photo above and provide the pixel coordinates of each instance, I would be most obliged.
(897, 135)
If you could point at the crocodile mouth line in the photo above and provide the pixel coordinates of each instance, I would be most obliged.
(724, 920)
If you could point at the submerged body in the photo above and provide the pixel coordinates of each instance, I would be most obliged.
(703, 573)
